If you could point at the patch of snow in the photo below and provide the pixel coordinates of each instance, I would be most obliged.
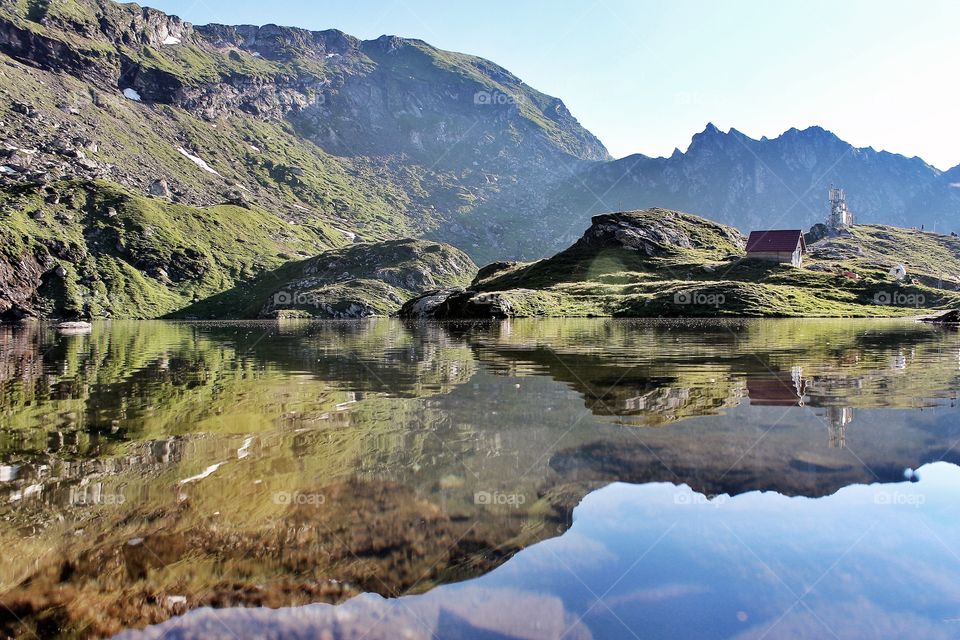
(349, 234)
(198, 161)
(256, 54)
(200, 476)
(171, 40)
(255, 148)
(131, 94)
(7, 170)
(173, 601)
(333, 55)
(244, 450)
(133, 542)
(8, 473)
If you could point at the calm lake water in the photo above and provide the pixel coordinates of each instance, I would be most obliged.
(521, 479)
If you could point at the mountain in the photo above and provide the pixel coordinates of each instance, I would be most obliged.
(124, 123)
(750, 184)
(664, 263)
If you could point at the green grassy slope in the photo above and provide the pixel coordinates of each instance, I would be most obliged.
(103, 251)
(355, 281)
(846, 276)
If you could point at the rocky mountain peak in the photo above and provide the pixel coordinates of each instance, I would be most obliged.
(119, 24)
(709, 139)
(283, 44)
(390, 44)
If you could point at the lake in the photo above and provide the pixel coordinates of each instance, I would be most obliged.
(580, 478)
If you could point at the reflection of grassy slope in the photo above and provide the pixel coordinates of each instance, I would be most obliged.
(684, 370)
(139, 381)
(305, 437)
(612, 280)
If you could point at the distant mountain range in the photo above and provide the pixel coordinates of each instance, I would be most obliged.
(147, 163)
(752, 184)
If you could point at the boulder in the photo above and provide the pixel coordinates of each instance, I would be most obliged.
(817, 233)
(455, 304)
(160, 189)
(946, 317)
(657, 232)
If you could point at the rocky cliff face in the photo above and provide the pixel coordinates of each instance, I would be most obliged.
(385, 97)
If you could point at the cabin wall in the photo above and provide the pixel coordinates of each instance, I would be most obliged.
(772, 256)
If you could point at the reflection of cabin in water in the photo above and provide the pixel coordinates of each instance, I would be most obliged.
(778, 389)
(839, 418)
(783, 246)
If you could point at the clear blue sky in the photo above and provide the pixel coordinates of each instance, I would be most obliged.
(644, 76)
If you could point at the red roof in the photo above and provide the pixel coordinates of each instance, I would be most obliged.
(781, 240)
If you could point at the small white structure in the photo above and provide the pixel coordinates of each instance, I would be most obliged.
(899, 272)
(840, 216)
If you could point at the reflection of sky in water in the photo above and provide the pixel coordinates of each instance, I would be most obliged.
(660, 561)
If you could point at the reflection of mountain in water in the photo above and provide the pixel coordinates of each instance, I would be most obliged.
(661, 561)
(399, 428)
(649, 374)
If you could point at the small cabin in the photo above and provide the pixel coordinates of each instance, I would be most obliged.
(783, 246)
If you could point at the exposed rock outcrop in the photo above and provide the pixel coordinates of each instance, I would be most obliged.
(951, 317)
(656, 232)
(453, 304)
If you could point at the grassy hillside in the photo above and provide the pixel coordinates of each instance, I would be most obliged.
(687, 266)
(94, 249)
(355, 281)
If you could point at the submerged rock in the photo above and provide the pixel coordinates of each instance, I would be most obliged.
(74, 327)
